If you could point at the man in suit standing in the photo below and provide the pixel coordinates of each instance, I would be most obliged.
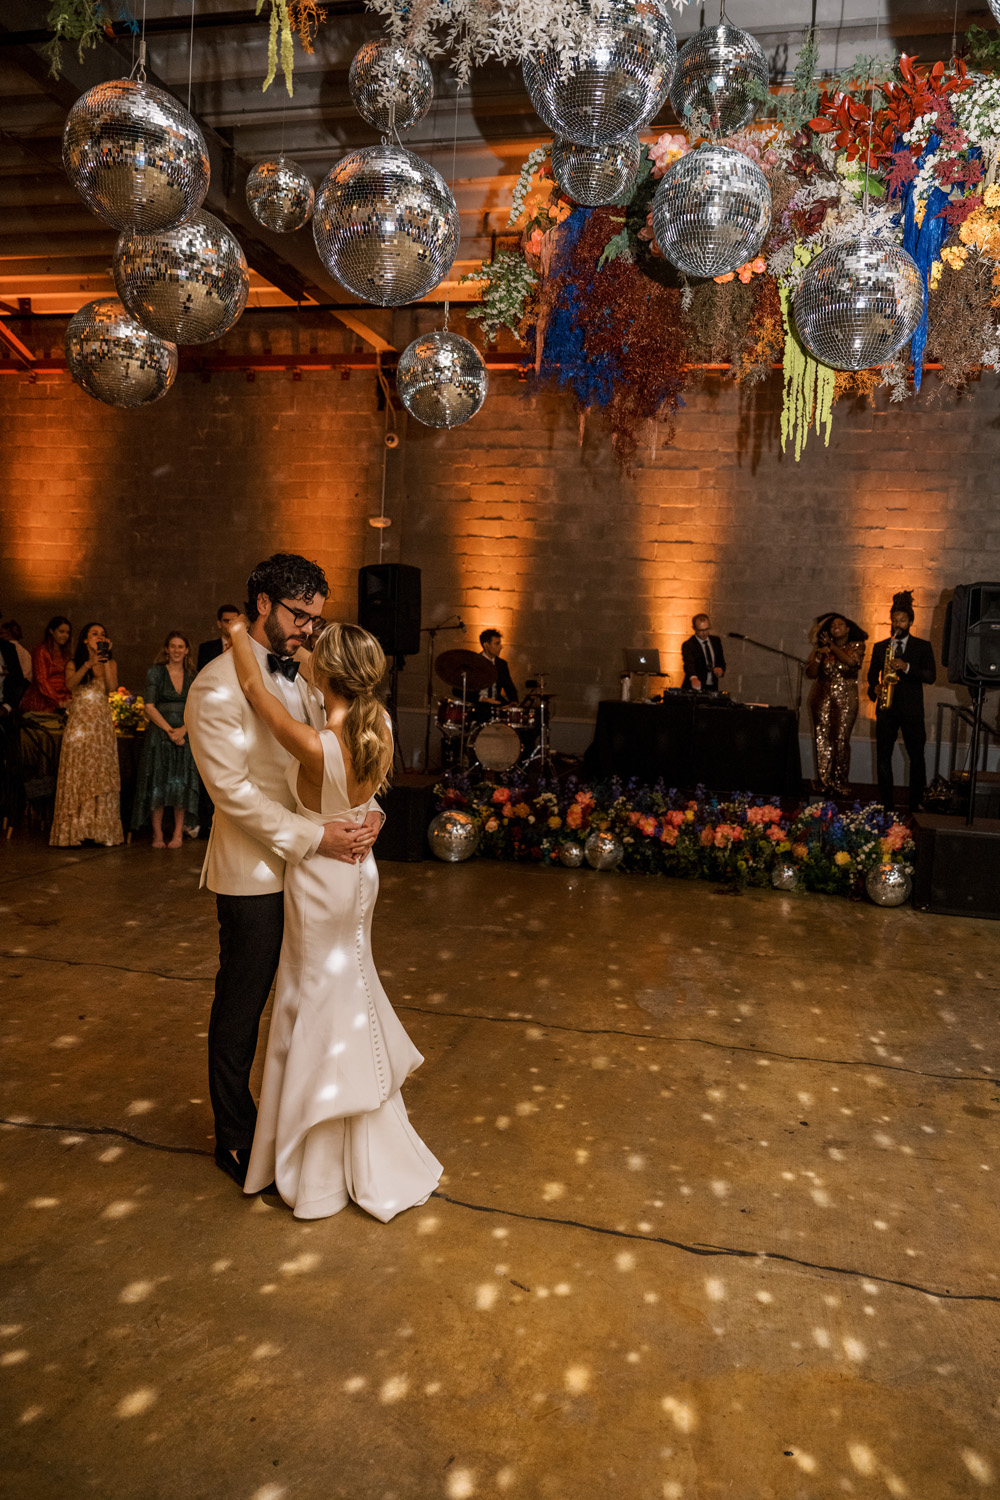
(703, 658)
(209, 650)
(503, 689)
(256, 830)
(915, 664)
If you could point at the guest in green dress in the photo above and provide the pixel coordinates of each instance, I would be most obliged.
(167, 773)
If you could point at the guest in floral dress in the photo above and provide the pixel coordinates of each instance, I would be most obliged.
(89, 787)
(47, 691)
(167, 773)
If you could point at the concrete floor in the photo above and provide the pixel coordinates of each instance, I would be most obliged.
(719, 1215)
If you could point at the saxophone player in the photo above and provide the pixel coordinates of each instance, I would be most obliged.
(899, 668)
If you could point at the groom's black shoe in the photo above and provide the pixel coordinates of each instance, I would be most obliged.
(233, 1163)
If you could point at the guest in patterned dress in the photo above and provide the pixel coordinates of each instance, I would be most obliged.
(167, 773)
(89, 787)
(834, 666)
(47, 692)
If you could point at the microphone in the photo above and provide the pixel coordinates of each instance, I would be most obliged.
(734, 635)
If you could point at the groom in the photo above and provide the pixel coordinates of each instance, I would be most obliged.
(256, 831)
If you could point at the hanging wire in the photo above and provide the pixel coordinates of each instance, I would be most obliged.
(139, 63)
(871, 109)
(454, 160)
(954, 34)
(390, 422)
(191, 55)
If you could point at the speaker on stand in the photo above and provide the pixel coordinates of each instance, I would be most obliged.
(971, 651)
(389, 609)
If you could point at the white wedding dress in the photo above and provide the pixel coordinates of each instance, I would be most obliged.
(332, 1124)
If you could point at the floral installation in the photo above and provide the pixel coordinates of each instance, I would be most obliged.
(738, 839)
(127, 712)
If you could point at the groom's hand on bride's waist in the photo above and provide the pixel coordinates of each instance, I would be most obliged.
(349, 842)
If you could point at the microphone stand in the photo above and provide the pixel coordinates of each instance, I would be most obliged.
(786, 655)
(431, 631)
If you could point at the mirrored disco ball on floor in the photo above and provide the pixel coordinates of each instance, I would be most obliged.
(785, 876)
(713, 70)
(571, 854)
(603, 851)
(441, 379)
(615, 82)
(114, 359)
(593, 175)
(386, 225)
(888, 885)
(188, 284)
(453, 836)
(135, 156)
(280, 195)
(711, 211)
(858, 303)
(391, 87)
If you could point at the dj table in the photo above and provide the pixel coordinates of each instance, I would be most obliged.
(694, 738)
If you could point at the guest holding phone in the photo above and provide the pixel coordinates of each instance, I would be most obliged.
(89, 787)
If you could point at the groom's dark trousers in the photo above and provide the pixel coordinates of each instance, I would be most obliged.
(250, 929)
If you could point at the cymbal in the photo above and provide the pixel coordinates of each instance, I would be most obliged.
(450, 666)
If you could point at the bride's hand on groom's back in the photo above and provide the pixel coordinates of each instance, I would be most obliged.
(348, 842)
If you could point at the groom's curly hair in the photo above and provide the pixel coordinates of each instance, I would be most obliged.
(285, 575)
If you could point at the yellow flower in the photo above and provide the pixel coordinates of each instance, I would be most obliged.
(800, 850)
(991, 197)
(842, 857)
(935, 273)
(689, 815)
(555, 822)
(919, 209)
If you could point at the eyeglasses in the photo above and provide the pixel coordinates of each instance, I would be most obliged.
(301, 619)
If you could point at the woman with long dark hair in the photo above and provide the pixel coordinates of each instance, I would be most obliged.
(167, 773)
(47, 692)
(88, 791)
(838, 651)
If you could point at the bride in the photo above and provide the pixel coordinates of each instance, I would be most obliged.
(332, 1124)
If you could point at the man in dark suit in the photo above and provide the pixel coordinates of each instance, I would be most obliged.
(209, 650)
(13, 682)
(503, 689)
(703, 658)
(915, 664)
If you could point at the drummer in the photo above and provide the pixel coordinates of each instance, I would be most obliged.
(502, 689)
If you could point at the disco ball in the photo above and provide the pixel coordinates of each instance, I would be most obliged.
(785, 876)
(615, 81)
(453, 836)
(888, 885)
(188, 284)
(711, 211)
(114, 359)
(280, 195)
(135, 156)
(391, 88)
(858, 303)
(602, 850)
(441, 379)
(571, 854)
(386, 225)
(714, 68)
(594, 175)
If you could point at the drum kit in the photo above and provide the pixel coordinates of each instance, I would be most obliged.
(495, 736)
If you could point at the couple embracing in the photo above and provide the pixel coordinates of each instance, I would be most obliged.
(293, 748)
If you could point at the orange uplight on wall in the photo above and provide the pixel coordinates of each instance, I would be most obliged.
(677, 567)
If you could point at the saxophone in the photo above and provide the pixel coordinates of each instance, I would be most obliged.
(890, 675)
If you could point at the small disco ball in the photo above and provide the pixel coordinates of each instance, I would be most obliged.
(114, 359)
(595, 175)
(714, 68)
(453, 836)
(603, 850)
(571, 854)
(391, 87)
(615, 81)
(135, 156)
(858, 303)
(386, 225)
(280, 195)
(711, 211)
(188, 284)
(888, 885)
(441, 379)
(785, 876)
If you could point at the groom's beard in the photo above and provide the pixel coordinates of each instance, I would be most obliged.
(276, 637)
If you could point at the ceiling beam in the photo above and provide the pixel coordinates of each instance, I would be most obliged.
(20, 351)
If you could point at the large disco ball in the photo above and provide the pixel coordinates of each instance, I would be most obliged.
(188, 284)
(391, 87)
(135, 156)
(594, 175)
(603, 851)
(858, 303)
(386, 225)
(614, 82)
(571, 854)
(711, 211)
(441, 379)
(280, 195)
(115, 359)
(453, 836)
(713, 70)
(785, 875)
(888, 885)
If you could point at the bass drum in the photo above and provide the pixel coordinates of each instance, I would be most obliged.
(497, 747)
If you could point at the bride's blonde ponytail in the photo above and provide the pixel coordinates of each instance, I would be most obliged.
(354, 664)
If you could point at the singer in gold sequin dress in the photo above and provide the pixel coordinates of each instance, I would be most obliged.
(834, 666)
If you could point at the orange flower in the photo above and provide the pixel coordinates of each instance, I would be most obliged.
(800, 850)
(574, 816)
(501, 794)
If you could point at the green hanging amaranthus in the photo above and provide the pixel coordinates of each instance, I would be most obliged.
(807, 397)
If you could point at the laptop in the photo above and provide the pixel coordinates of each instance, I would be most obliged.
(642, 660)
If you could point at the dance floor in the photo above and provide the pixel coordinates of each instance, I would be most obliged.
(719, 1215)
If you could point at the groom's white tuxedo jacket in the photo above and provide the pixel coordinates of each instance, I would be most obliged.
(256, 831)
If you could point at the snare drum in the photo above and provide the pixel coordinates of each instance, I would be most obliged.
(521, 716)
(497, 747)
(452, 717)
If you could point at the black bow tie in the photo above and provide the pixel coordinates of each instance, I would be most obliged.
(286, 665)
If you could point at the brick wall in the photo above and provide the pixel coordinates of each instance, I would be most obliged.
(521, 519)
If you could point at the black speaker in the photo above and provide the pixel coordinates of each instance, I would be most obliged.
(408, 813)
(389, 606)
(971, 646)
(957, 871)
